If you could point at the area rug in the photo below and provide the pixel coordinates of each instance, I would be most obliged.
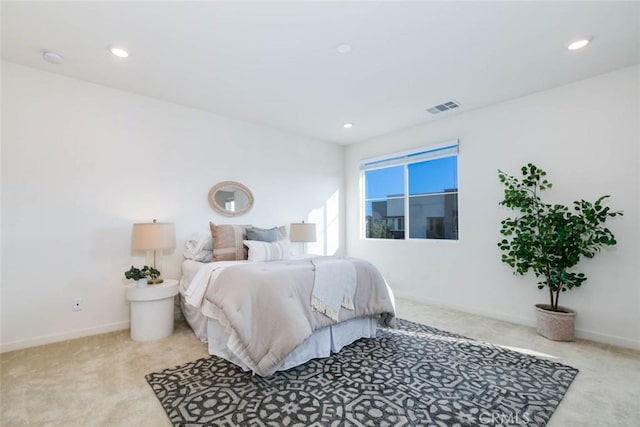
(412, 375)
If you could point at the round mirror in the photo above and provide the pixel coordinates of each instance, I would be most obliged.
(230, 198)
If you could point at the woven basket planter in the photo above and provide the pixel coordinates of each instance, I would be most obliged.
(555, 325)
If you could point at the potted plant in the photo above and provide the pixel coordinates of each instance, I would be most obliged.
(550, 240)
(144, 276)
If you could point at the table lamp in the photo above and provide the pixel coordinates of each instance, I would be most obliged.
(302, 232)
(153, 238)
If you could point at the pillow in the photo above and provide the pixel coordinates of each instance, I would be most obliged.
(227, 241)
(267, 251)
(199, 247)
(266, 235)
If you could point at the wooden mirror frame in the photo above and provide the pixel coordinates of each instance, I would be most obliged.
(235, 186)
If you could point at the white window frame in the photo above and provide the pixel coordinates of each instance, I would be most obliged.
(405, 158)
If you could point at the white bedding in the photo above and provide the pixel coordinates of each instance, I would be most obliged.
(321, 343)
(190, 304)
(192, 315)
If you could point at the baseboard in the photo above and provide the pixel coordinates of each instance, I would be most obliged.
(470, 310)
(580, 333)
(49, 339)
(608, 339)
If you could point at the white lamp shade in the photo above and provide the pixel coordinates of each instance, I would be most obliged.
(302, 232)
(153, 236)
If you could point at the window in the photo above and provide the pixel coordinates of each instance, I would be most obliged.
(412, 195)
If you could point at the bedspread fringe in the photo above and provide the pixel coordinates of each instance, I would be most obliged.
(319, 306)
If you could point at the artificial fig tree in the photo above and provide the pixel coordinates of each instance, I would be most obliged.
(550, 239)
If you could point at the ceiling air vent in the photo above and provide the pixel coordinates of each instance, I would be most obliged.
(445, 106)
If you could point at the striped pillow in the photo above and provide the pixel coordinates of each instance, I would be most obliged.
(227, 241)
(267, 251)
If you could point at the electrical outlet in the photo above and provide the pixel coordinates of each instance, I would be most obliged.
(76, 304)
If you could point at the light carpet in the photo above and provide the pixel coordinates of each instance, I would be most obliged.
(413, 375)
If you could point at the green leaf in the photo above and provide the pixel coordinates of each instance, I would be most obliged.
(549, 240)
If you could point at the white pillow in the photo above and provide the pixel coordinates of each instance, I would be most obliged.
(199, 247)
(267, 251)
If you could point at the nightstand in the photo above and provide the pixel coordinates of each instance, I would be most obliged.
(152, 310)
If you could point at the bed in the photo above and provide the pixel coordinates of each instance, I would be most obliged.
(259, 315)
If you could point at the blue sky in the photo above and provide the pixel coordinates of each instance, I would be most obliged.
(433, 176)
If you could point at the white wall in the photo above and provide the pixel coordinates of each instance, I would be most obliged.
(586, 136)
(81, 163)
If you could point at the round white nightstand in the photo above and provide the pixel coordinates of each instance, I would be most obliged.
(152, 310)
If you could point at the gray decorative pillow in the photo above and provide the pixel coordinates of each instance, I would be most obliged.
(266, 235)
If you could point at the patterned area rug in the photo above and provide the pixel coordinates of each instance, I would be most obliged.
(413, 375)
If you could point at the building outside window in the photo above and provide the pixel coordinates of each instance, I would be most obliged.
(412, 195)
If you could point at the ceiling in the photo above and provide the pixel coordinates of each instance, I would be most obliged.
(276, 63)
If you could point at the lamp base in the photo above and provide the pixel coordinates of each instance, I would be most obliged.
(154, 259)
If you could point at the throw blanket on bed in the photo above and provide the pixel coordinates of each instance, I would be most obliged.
(334, 285)
(265, 307)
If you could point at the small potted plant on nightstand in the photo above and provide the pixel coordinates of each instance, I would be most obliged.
(143, 276)
(550, 240)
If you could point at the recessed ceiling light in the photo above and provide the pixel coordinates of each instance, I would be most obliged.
(578, 44)
(119, 52)
(51, 57)
(344, 48)
(347, 125)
